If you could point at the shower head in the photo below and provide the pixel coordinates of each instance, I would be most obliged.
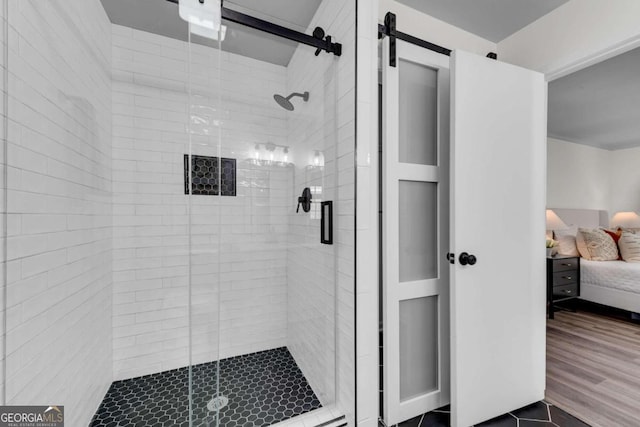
(286, 103)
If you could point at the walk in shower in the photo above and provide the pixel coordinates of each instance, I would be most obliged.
(190, 253)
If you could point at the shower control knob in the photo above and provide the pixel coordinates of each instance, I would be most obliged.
(304, 200)
(467, 259)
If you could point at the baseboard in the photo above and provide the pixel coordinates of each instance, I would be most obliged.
(605, 310)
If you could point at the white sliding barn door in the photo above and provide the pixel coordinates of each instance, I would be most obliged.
(415, 232)
(498, 173)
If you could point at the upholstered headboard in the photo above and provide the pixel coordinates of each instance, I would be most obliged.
(588, 218)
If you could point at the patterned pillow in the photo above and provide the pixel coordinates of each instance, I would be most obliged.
(630, 246)
(596, 245)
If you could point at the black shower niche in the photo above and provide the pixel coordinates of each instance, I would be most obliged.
(204, 176)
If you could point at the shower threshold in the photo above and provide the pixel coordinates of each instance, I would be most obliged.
(262, 389)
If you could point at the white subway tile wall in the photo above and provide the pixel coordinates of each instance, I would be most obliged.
(321, 277)
(59, 333)
(270, 295)
(238, 243)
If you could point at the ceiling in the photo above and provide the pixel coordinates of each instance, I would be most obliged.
(493, 20)
(600, 105)
(161, 17)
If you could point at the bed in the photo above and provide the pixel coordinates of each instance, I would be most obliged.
(612, 283)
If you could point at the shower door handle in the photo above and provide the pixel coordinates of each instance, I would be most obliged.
(326, 223)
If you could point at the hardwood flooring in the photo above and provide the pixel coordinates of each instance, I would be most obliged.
(593, 368)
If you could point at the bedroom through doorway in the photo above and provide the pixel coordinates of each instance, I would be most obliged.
(593, 242)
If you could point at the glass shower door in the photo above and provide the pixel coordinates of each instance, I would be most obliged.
(276, 280)
(271, 173)
(206, 182)
(271, 222)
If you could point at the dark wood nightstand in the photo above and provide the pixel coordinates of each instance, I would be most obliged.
(563, 279)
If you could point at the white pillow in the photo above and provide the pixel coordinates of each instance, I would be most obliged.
(629, 244)
(596, 245)
(567, 241)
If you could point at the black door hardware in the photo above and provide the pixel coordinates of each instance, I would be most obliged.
(451, 258)
(318, 33)
(388, 29)
(304, 200)
(326, 223)
(466, 258)
(324, 43)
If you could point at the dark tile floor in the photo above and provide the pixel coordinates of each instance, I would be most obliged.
(263, 388)
(539, 414)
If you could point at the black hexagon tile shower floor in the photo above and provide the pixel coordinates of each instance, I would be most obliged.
(262, 388)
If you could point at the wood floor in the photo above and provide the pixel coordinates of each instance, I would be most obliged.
(593, 368)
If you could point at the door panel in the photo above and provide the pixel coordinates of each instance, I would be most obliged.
(418, 355)
(415, 232)
(498, 143)
(418, 237)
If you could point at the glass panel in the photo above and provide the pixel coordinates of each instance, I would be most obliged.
(278, 292)
(418, 347)
(418, 114)
(203, 165)
(277, 284)
(418, 239)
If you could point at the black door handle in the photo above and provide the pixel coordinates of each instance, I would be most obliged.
(466, 258)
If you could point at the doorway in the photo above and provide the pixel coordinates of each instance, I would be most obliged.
(593, 185)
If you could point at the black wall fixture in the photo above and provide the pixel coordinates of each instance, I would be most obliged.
(320, 43)
(304, 200)
(205, 174)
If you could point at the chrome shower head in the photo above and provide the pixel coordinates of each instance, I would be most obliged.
(286, 102)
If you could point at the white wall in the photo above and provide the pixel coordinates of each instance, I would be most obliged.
(367, 215)
(572, 32)
(3, 207)
(573, 36)
(578, 176)
(58, 344)
(583, 177)
(318, 275)
(237, 243)
(625, 181)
